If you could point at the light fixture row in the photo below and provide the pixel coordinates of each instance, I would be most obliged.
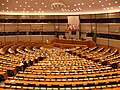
(67, 8)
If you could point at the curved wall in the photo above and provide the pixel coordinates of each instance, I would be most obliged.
(52, 25)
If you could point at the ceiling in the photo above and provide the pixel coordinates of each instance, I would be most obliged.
(72, 7)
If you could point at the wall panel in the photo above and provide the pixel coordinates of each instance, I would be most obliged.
(85, 16)
(11, 38)
(114, 29)
(36, 27)
(102, 28)
(24, 27)
(10, 27)
(48, 17)
(101, 16)
(85, 27)
(103, 41)
(1, 27)
(2, 16)
(23, 17)
(114, 43)
(10, 17)
(36, 37)
(24, 38)
(62, 27)
(114, 15)
(2, 38)
(63, 17)
(36, 16)
(48, 27)
(48, 37)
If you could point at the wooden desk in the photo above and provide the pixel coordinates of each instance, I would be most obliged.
(4, 74)
(73, 42)
(25, 82)
(10, 68)
(64, 76)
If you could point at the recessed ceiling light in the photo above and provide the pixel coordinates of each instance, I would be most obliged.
(116, 2)
(82, 3)
(36, 3)
(7, 0)
(23, 8)
(7, 7)
(39, 8)
(20, 5)
(3, 4)
(111, 7)
(16, 1)
(99, 1)
(89, 6)
(74, 4)
(31, 8)
(25, 2)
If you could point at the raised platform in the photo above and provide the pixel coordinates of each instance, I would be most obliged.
(64, 43)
